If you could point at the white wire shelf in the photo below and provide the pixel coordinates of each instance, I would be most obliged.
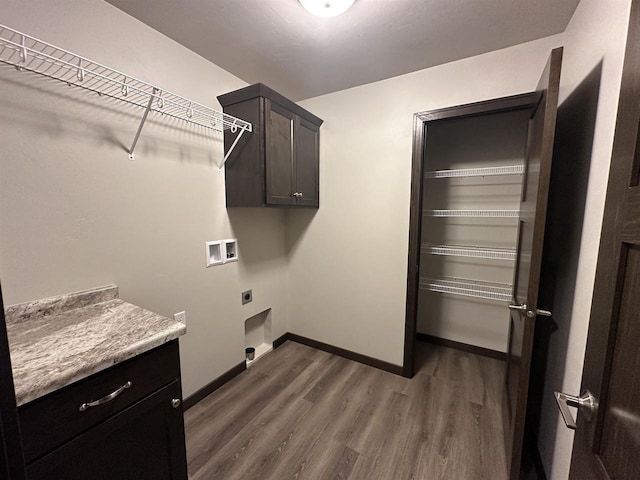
(27, 53)
(476, 172)
(470, 251)
(472, 213)
(501, 292)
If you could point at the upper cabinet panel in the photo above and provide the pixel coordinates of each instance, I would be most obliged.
(276, 165)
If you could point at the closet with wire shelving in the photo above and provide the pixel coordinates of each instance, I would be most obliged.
(472, 183)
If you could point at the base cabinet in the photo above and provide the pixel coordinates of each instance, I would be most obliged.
(86, 431)
(278, 163)
(140, 443)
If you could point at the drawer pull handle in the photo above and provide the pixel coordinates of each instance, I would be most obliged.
(106, 399)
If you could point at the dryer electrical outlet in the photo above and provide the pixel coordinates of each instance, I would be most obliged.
(247, 297)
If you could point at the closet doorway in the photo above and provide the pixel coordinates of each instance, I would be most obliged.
(480, 181)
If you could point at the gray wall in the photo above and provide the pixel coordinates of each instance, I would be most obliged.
(361, 230)
(75, 213)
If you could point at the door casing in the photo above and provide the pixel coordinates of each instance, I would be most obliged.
(421, 123)
(542, 103)
(618, 236)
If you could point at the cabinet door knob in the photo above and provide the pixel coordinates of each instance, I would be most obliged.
(175, 403)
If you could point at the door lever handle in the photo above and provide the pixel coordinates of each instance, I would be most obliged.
(586, 403)
(530, 313)
(521, 308)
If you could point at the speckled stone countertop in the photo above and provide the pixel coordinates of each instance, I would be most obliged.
(59, 340)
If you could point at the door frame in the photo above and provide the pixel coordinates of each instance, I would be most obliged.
(421, 122)
(625, 163)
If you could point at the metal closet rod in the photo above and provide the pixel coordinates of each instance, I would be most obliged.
(28, 53)
(476, 172)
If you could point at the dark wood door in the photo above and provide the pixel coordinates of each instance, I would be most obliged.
(11, 456)
(279, 154)
(533, 210)
(607, 444)
(307, 160)
(143, 442)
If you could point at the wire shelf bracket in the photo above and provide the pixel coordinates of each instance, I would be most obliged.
(27, 53)
(233, 145)
(144, 119)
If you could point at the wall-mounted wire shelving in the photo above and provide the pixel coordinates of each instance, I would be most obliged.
(508, 254)
(501, 292)
(27, 53)
(472, 213)
(476, 172)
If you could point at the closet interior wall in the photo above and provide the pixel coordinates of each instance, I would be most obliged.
(469, 256)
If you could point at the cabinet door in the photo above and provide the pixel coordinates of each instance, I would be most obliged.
(306, 166)
(280, 154)
(143, 442)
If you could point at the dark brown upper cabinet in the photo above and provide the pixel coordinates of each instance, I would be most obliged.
(276, 164)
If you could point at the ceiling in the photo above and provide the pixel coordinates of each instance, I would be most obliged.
(278, 43)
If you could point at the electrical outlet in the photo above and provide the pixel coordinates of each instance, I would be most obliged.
(247, 297)
(180, 317)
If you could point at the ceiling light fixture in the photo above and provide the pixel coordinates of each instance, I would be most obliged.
(326, 8)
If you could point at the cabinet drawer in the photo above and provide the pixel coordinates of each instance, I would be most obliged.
(142, 442)
(50, 421)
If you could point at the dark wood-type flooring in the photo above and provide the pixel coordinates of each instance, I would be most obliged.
(301, 413)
